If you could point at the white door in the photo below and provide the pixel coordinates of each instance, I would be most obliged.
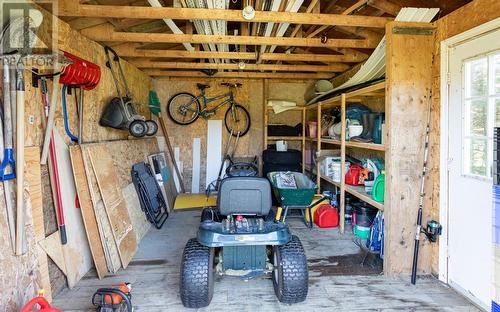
(474, 101)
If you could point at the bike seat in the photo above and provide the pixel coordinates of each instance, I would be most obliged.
(202, 86)
(231, 85)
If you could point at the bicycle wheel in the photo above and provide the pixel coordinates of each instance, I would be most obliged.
(183, 108)
(237, 119)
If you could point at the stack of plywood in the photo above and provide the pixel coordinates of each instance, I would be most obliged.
(110, 208)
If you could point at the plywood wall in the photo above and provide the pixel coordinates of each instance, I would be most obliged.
(250, 95)
(19, 276)
(469, 16)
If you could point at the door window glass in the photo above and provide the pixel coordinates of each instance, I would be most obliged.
(481, 113)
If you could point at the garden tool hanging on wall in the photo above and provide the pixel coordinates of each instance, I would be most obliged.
(7, 155)
(82, 75)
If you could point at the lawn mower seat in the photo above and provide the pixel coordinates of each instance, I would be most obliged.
(245, 196)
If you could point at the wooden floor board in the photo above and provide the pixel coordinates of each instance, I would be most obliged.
(154, 274)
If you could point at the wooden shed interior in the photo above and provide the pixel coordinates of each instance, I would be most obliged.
(419, 80)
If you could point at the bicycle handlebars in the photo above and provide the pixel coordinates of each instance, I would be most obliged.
(234, 85)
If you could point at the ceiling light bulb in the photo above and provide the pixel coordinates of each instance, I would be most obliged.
(242, 65)
(248, 13)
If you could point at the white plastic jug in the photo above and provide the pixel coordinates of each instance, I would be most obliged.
(281, 146)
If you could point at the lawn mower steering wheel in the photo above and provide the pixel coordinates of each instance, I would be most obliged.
(242, 169)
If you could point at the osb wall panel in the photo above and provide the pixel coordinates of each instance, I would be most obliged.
(18, 275)
(95, 100)
(469, 16)
(250, 95)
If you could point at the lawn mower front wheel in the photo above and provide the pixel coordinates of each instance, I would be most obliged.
(197, 275)
(290, 274)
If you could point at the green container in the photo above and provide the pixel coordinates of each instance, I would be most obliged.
(378, 188)
(294, 197)
(362, 231)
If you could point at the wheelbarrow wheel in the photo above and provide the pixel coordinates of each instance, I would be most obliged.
(197, 275)
(290, 274)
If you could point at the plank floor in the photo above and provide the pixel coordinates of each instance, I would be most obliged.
(154, 274)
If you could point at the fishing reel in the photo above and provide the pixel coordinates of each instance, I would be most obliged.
(432, 231)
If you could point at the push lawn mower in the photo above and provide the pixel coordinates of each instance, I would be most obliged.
(120, 112)
(243, 235)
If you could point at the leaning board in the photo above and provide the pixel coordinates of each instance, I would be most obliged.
(107, 179)
(87, 210)
(33, 177)
(77, 255)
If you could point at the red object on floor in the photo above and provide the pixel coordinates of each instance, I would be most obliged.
(352, 175)
(326, 216)
(42, 303)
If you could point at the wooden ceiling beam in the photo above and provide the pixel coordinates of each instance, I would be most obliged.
(386, 6)
(249, 75)
(138, 12)
(107, 33)
(248, 67)
(351, 56)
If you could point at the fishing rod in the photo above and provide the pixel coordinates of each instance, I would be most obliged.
(433, 229)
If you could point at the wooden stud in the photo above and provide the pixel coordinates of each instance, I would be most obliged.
(318, 147)
(141, 12)
(249, 67)
(342, 160)
(105, 33)
(304, 139)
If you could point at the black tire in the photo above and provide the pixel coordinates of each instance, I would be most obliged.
(240, 112)
(138, 128)
(152, 127)
(197, 275)
(290, 274)
(191, 100)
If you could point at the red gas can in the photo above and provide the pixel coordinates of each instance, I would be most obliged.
(352, 175)
(326, 216)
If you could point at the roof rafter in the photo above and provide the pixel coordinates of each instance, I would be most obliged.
(251, 75)
(106, 33)
(350, 56)
(248, 67)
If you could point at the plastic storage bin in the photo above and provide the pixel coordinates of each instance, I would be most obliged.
(294, 197)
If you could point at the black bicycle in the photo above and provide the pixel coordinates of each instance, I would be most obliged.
(184, 108)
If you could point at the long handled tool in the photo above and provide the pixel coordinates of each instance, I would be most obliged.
(154, 107)
(53, 169)
(433, 227)
(7, 160)
(20, 88)
(6, 183)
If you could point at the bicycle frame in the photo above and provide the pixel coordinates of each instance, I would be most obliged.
(206, 100)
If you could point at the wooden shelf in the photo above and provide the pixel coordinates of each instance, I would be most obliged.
(296, 108)
(370, 146)
(359, 192)
(356, 191)
(286, 138)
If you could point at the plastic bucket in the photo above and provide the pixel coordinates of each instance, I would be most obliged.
(362, 231)
(312, 129)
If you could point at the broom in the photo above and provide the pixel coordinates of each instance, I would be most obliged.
(155, 108)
